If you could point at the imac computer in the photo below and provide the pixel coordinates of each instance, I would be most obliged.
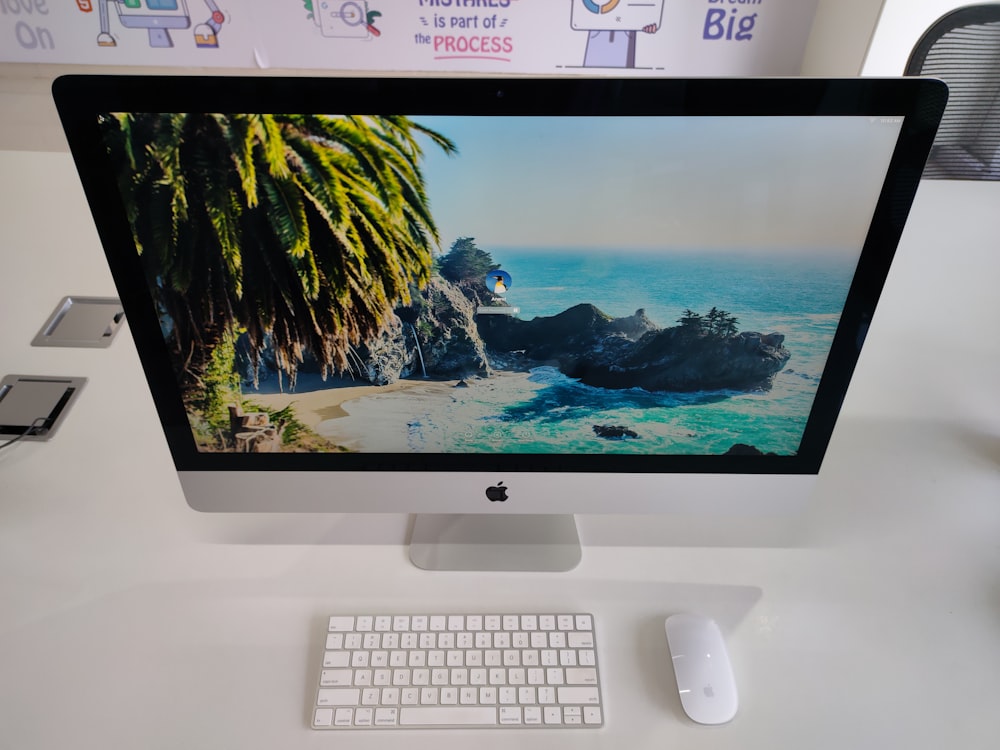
(498, 303)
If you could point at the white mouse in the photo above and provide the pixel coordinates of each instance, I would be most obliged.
(701, 664)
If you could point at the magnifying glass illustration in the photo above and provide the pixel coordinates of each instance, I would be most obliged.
(352, 14)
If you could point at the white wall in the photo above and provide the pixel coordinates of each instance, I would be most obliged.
(899, 29)
(840, 36)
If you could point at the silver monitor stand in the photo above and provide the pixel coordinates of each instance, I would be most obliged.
(487, 541)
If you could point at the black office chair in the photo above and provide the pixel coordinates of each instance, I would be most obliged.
(963, 49)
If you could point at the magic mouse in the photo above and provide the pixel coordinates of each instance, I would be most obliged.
(701, 664)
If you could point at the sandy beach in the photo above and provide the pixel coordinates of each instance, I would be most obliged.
(412, 415)
(319, 402)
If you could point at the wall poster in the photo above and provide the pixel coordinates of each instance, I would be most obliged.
(587, 37)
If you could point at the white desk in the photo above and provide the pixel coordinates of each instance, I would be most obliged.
(129, 621)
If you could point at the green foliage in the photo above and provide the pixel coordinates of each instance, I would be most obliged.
(304, 230)
(466, 261)
(292, 430)
(716, 323)
(721, 323)
(220, 385)
(692, 322)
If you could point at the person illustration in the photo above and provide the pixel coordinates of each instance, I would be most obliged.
(613, 49)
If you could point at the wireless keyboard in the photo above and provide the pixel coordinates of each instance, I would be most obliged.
(394, 671)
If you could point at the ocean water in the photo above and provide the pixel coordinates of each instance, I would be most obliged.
(544, 411)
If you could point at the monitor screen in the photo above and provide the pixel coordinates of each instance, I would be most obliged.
(489, 278)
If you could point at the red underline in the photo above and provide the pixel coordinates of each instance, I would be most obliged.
(470, 57)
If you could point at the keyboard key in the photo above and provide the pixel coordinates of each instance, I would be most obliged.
(581, 676)
(338, 697)
(578, 695)
(510, 715)
(336, 659)
(336, 677)
(448, 715)
(341, 624)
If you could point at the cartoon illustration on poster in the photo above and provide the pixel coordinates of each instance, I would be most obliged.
(158, 18)
(344, 19)
(612, 27)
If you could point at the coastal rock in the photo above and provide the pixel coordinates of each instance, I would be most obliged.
(387, 357)
(580, 329)
(632, 352)
(614, 432)
(671, 360)
(443, 323)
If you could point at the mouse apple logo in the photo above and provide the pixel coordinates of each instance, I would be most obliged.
(497, 493)
(709, 691)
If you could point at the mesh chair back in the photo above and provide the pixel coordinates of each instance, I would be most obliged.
(963, 49)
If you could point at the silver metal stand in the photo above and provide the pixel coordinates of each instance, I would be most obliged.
(547, 543)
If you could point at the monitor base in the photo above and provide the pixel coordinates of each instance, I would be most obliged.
(544, 543)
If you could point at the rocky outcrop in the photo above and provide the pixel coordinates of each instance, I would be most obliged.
(632, 352)
(389, 356)
(580, 330)
(439, 335)
(436, 336)
(614, 432)
(446, 329)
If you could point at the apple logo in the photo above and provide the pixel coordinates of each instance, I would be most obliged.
(709, 692)
(497, 494)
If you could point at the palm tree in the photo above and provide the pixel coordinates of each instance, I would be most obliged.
(304, 231)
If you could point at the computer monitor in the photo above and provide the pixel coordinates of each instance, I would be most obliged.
(498, 303)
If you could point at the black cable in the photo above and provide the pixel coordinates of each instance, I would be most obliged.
(35, 425)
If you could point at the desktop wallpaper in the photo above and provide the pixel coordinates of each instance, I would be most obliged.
(444, 284)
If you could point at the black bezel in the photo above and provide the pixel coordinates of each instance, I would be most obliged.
(80, 99)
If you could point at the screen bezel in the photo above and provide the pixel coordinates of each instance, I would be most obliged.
(920, 102)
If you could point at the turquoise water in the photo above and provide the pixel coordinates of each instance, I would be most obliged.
(544, 411)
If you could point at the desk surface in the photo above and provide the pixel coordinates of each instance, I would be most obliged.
(129, 621)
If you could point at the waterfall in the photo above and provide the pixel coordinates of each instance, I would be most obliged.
(420, 354)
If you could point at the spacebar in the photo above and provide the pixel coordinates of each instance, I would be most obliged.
(446, 715)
